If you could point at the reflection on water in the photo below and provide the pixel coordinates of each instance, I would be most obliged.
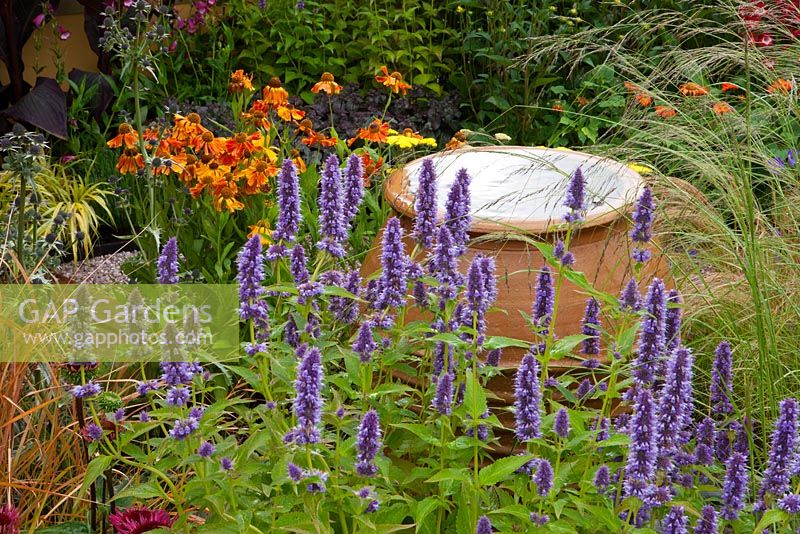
(520, 184)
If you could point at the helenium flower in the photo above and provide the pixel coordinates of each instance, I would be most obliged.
(425, 205)
(527, 399)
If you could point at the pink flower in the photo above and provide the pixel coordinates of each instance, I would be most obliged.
(66, 158)
(9, 520)
(137, 520)
(172, 46)
(63, 33)
(38, 20)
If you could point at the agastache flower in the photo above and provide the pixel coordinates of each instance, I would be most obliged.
(707, 524)
(672, 321)
(457, 208)
(602, 478)
(250, 277)
(484, 526)
(332, 223)
(790, 503)
(425, 205)
(443, 399)
(734, 489)
(640, 468)
(543, 478)
(630, 299)
(85, 391)
(353, 187)
(721, 379)
(289, 215)
(527, 399)
(481, 292)
(308, 399)
(675, 403)
(444, 265)
(183, 428)
(704, 450)
(168, 263)
(777, 476)
(651, 338)
(368, 444)
(394, 263)
(675, 522)
(364, 344)
(575, 198)
(643, 217)
(544, 301)
(306, 288)
(591, 323)
(561, 423)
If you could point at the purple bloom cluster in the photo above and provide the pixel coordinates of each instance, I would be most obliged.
(527, 399)
(590, 327)
(480, 294)
(364, 344)
(782, 456)
(575, 199)
(602, 478)
(443, 399)
(544, 301)
(306, 288)
(704, 449)
(394, 263)
(308, 399)
(332, 223)
(734, 489)
(87, 390)
(672, 321)
(175, 373)
(206, 449)
(640, 468)
(168, 263)
(563, 255)
(250, 276)
(651, 337)
(183, 428)
(425, 205)
(543, 478)
(643, 217)
(353, 188)
(675, 522)
(674, 411)
(707, 524)
(368, 444)
(92, 432)
(484, 526)
(177, 396)
(721, 380)
(289, 215)
(457, 217)
(630, 299)
(444, 265)
(561, 423)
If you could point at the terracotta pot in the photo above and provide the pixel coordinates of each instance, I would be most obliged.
(504, 188)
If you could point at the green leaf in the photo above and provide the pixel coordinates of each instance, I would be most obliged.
(147, 490)
(95, 468)
(769, 518)
(502, 468)
(499, 342)
(73, 527)
(474, 397)
(450, 473)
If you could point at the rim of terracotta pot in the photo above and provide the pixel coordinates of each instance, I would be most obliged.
(401, 198)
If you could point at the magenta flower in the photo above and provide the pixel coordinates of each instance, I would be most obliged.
(63, 33)
(9, 520)
(38, 20)
(137, 520)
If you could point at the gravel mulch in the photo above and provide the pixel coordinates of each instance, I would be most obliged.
(106, 269)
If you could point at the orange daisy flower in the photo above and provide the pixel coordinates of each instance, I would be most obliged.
(665, 112)
(206, 143)
(305, 126)
(327, 84)
(212, 172)
(262, 230)
(726, 86)
(632, 87)
(582, 101)
(780, 86)
(242, 145)
(225, 197)
(290, 113)
(240, 82)
(274, 94)
(314, 138)
(130, 161)
(258, 174)
(720, 108)
(187, 128)
(376, 132)
(171, 164)
(298, 161)
(256, 117)
(643, 99)
(457, 141)
(371, 166)
(692, 89)
(126, 135)
(393, 81)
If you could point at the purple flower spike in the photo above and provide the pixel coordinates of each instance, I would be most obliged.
(493, 357)
(289, 214)
(561, 423)
(168, 263)
(425, 205)
(641, 465)
(777, 476)
(484, 526)
(443, 399)
(308, 399)
(704, 450)
(368, 444)
(480, 294)
(457, 208)
(295, 472)
(630, 299)
(527, 399)
(790, 503)
(643, 217)
(444, 265)
(675, 522)
(250, 277)
(602, 478)
(394, 262)
(734, 489)
(205, 449)
(591, 324)
(332, 223)
(707, 524)
(651, 338)
(306, 288)
(675, 404)
(544, 302)
(543, 478)
(364, 344)
(575, 199)
(672, 321)
(721, 380)
(353, 187)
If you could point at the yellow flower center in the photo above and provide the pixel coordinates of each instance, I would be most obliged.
(194, 118)
(124, 128)
(274, 82)
(207, 137)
